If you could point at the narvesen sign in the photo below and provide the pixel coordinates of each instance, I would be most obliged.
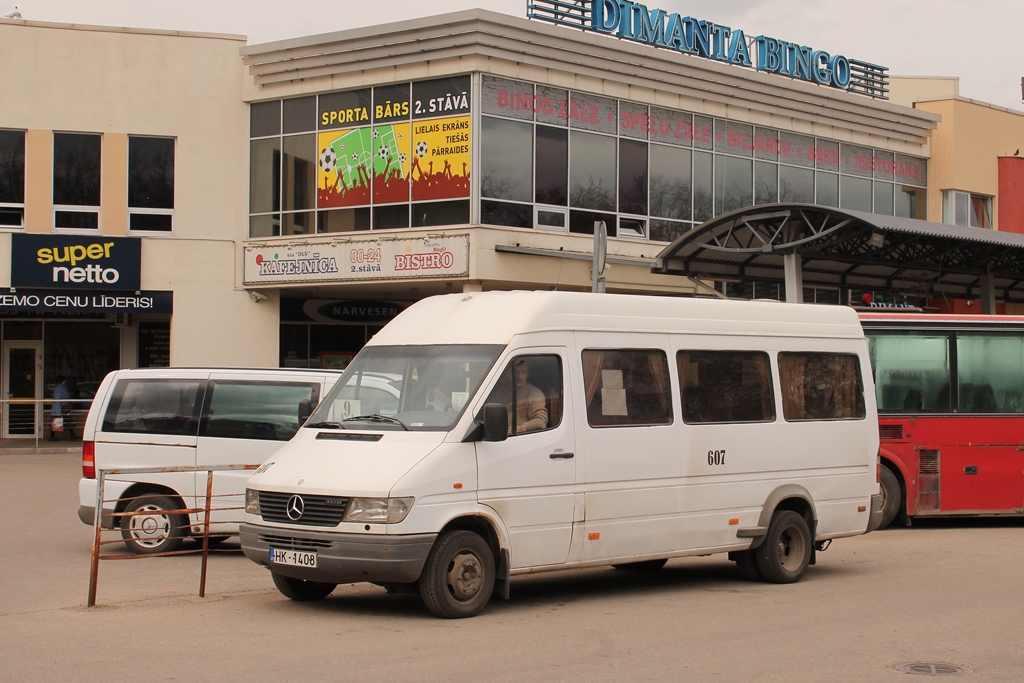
(658, 28)
(358, 260)
(74, 262)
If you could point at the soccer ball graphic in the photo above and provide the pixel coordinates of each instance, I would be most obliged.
(327, 159)
(421, 149)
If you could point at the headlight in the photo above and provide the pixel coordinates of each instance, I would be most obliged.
(380, 510)
(252, 502)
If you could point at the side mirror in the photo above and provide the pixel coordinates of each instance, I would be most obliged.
(495, 422)
(305, 410)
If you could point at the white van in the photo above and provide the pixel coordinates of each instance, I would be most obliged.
(536, 431)
(187, 417)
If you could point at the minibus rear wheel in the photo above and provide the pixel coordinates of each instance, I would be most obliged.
(152, 529)
(458, 577)
(301, 590)
(892, 496)
(786, 551)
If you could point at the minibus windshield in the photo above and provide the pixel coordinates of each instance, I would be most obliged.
(406, 387)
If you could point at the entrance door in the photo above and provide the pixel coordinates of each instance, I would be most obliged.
(23, 414)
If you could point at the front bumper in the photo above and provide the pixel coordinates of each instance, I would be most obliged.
(876, 512)
(341, 557)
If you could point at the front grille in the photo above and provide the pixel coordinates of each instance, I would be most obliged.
(316, 510)
(291, 543)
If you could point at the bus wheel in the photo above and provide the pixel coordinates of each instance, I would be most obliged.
(458, 577)
(786, 551)
(152, 529)
(746, 562)
(892, 497)
(300, 590)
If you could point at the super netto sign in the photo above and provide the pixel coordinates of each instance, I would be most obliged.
(633, 21)
(75, 262)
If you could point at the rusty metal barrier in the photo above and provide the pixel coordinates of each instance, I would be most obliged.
(101, 476)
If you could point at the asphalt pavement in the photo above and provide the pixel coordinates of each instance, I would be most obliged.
(944, 595)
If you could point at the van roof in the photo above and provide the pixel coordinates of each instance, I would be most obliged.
(185, 369)
(495, 317)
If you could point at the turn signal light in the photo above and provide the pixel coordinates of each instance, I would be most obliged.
(88, 460)
(594, 535)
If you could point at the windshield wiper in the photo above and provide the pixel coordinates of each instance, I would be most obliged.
(377, 418)
(325, 425)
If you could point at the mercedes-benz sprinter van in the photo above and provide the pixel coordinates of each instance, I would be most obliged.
(534, 431)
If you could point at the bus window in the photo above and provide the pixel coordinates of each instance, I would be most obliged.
(821, 386)
(912, 372)
(990, 372)
(725, 386)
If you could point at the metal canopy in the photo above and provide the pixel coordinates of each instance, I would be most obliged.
(810, 245)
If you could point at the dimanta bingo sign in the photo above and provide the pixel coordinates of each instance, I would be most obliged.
(689, 35)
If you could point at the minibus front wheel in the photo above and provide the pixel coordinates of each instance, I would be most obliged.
(458, 577)
(786, 551)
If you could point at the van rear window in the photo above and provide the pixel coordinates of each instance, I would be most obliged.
(155, 406)
(821, 386)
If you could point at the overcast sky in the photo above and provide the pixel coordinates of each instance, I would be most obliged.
(979, 41)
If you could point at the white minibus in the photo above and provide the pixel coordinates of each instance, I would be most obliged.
(535, 431)
(186, 417)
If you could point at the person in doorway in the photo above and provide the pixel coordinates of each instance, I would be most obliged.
(531, 411)
(60, 407)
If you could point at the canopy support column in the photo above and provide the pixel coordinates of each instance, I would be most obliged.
(988, 294)
(794, 278)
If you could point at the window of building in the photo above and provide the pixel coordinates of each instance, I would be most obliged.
(592, 170)
(821, 386)
(626, 387)
(966, 209)
(150, 183)
(76, 180)
(530, 388)
(725, 386)
(12, 178)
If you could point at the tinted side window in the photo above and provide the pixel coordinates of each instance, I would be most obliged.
(530, 387)
(990, 372)
(154, 406)
(821, 386)
(626, 387)
(912, 371)
(725, 386)
(255, 410)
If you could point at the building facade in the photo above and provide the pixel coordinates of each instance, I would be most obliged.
(122, 210)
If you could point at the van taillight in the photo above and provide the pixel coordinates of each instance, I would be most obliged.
(88, 460)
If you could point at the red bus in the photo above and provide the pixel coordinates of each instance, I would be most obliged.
(951, 413)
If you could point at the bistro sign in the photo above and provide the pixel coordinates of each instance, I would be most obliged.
(383, 258)
(658, 28)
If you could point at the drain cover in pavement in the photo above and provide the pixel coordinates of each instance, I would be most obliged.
(931, 669)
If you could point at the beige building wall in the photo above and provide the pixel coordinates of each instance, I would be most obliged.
(968, 141)
(121, 82)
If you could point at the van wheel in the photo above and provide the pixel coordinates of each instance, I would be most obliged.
(153, 529)
(458, 577)
(786, 551)
(643, 566)
(746, 562)
(300, 590)
(892, 497)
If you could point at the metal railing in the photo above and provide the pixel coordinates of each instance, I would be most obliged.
(29, 418)
(97, 543)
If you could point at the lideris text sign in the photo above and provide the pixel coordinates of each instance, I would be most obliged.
(358, 260)
(72, 301)
(657, 28)
(75, 262)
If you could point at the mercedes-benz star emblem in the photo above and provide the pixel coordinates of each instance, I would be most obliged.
(294, 508)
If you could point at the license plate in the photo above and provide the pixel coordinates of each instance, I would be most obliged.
(293, 558)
